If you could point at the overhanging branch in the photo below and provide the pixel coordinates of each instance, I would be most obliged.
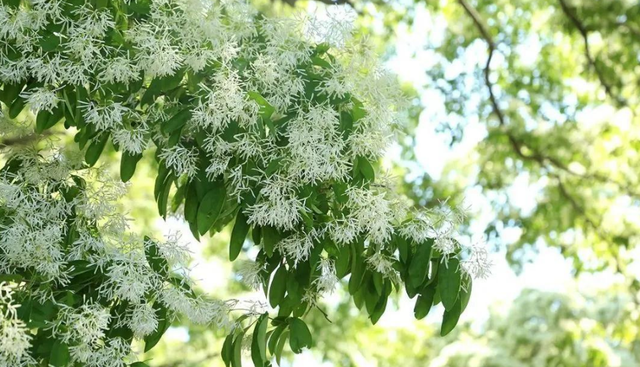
(590, 58)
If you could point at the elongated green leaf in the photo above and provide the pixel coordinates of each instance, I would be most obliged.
(450, 319)
(59, 356)
(278, 286)
(210, 207)
(342, 261)
(128, 165)
(266, 109)
(381, 305)
(366, 169)
(419, 266)
(191, 203)
(403, 248)
(300, 337)
(357, 269)
(275, 336)
(227, 350)
(238, 235)
(176, 122)
(259, 341)
(280, 346)
(95, 149)
(162, 316)
(46, 120)
(16, 107)
(155, 260)
(164, 195)
(465, 293)
(11, 91)
(424, 302)
(236, 357)
(270, 237)
(449, 282)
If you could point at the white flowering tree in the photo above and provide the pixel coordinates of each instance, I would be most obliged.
(274, 125)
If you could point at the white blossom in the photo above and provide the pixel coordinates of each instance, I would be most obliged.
(296, 247)
(41, 99)
(143, 320)
(182, 160)
(327, 280)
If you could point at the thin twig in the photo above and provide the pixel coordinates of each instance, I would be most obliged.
(587, 50)
(517, 144)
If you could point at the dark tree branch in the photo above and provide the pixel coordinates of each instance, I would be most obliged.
(484, 31)
(22, 140)
(517, 144)
(544, 160)
(587, 50)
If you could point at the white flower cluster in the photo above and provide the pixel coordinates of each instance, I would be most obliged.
(16, 340)
(53, 228)
(258, 101)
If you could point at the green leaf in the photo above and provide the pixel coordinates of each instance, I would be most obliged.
(366, 169)
(128, 165)
(162, 84)
(280, 346)
(419, 266)
(381, 306)
(259, 341)
(270, 237)
(176, 122)
(300, 337)
(95, 149)
(163, 198)
(449, 282)
(318, 61)
(273, 166)
(49, 42)
(11, 91)
(450, 319)
(266, 110)
(16, 107)
(59, 356)
(465, 293)
(239, 233)
(403, 248)
(357, 269)
(342, 261)
(162, 316)
(210, 207)
(138, 364)
(278, 286)
(227, 350)
(236, 357)
(275, 336)
(358, 111)
(46, 120)
(191, 203)
(156, 261)
(424, 302)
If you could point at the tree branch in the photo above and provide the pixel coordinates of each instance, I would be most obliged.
(590, 59)
(22, 140)
(517, 144)
(536, 155)
(484, 31)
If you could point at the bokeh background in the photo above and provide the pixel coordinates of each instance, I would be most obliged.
(526, 110)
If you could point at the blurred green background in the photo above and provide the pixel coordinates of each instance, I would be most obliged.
(528, 111)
